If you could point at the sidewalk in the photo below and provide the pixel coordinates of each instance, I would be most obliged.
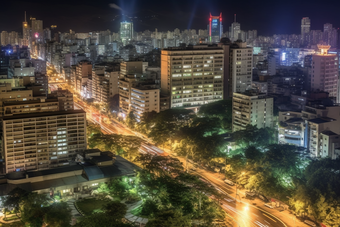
(132, 218)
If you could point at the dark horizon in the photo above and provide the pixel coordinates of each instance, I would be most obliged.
(86, 16)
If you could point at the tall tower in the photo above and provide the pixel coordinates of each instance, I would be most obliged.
(235, 30)
(25, 32)
(126, 31)
(305, 29)
(215, 28)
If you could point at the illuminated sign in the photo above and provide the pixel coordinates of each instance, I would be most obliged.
(214, 21)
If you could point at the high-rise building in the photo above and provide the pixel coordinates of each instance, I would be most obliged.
(235, 30)
(105, 84)
(138, 97)
(126, 32)
(25, 32)
(305, 29)
(192, 76)
(238, 61)
(37, 32)
(43, 140)
(83, 74)
(4, 38)
(330, 35)
(252, 108)
(215, 28)
(324, 73)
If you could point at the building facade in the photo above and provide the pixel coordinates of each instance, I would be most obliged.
(252, 108)
(45, 140)
(192, 76)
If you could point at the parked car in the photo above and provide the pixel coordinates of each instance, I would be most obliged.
(229, 182)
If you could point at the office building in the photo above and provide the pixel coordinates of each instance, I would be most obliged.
(252, 108)
(38, 141)
(192, 76)
(324, 73)
(215, 28)
(126, 32)
(305, 29)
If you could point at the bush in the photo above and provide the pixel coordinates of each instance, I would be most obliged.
(149, 208)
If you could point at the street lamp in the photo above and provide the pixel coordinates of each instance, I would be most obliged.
(237, 188)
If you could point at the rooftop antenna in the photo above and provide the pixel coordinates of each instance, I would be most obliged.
(25, 16)
(235, 17)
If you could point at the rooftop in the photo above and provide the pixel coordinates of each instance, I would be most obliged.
(43, 114)
(321, 120)
(329, 133)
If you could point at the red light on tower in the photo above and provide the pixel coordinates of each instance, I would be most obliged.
(209, 18)
(36, 35)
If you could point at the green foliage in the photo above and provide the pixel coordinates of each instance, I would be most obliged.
(221, 109)
(131, 120)
(115, 209)
(101, 220)
(118, 188)
(169, 218)
(58, 215)
(33, 209)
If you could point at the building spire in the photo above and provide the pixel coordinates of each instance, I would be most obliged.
(235, 17)
(25, 16)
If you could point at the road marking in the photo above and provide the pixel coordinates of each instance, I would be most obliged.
(268, 217)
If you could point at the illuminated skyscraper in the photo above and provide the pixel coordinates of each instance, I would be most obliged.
(25, 32)
(305, 29)
(126, 31)
(215, 28)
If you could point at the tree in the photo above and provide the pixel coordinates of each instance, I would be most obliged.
(131, 120)
(115, 209)
(169, 218)
(58, 215)
(100, 220)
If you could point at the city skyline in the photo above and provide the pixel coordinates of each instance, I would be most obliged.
(100, 15)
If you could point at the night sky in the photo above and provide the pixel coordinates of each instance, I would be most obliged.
(267, 16)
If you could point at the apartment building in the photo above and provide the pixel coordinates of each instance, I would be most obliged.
(132, 67)
(238, 65)
(192, 76)
(252, 108)
(105, 84)
(83, 74)
(316, 128)
(65, 99)
(324, 72)
(44, 140)
(137, 96)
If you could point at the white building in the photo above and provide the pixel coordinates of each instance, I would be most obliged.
(324, 72)
(252, 108)
(133, 96)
